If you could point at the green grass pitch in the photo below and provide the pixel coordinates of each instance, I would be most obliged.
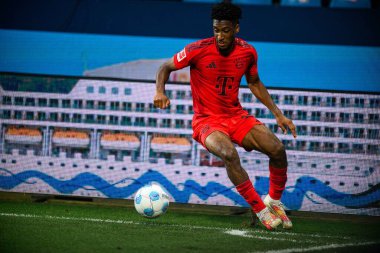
(65, 227)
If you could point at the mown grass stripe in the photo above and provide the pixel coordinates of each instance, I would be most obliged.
(184, 226)
(317, 248)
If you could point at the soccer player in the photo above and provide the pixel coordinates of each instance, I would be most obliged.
(217, 65)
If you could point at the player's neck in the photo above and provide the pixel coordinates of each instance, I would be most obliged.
(227, 51)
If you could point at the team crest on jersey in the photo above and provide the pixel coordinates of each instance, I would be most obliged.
(181, 55)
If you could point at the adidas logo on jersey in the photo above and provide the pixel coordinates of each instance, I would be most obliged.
(212, 65)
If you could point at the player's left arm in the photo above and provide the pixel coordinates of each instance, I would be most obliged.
(260, 91)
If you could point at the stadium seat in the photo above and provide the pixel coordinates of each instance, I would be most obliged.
(355, 4)
(301, 3)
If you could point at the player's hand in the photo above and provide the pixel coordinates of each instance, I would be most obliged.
(161, 101)
(284, 123)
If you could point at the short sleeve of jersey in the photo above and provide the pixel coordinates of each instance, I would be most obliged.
(183, 58)
(252, 70)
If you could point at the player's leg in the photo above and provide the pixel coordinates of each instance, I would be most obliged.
(220, 145)
(262, 139)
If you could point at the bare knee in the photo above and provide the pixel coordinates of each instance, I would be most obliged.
(279, 150)
(278, 155)
(229, 155)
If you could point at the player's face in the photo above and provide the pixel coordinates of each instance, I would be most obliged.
(224, 32)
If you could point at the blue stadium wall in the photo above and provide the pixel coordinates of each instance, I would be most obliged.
(177, 19)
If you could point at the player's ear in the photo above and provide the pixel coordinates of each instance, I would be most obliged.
(237, 28)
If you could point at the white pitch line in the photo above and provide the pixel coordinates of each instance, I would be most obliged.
(317, 248)
(245, 233)
(307, 235)
(268, 234)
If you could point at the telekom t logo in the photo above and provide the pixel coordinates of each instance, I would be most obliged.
(224, 83)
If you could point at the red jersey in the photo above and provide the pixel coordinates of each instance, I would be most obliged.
(214, 78)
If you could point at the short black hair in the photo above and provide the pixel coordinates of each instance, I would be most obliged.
(226, 11)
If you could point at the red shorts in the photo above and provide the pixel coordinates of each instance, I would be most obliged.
(236, 127)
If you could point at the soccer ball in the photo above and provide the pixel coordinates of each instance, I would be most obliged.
(151, 201)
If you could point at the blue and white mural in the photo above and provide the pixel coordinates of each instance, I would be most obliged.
(293, 196)
(105, 139)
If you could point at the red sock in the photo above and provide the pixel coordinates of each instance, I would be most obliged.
(277, 181)
(250, 195)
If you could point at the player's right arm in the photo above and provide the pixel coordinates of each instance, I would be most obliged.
(180, 60)
(160, 99)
